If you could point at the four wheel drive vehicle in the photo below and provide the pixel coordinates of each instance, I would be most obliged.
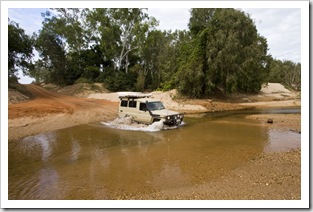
(146, 110)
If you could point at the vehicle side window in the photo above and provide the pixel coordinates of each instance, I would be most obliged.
(132, 104)
(124, 103)
(143, 107)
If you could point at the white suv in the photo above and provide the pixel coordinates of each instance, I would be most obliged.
(146, 110)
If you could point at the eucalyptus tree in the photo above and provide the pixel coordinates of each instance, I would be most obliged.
(132, 28)
(71, 26)
(152, 50)
(72, 29)
(52, 52)
(173, 56)
(160, 55)
(228, 54)
(237, 54)
(286, 72)
(200, 19)
(121, 35)
(292, 74)
(104, 34)
(65, 47)
(190, 75)
(20, 50)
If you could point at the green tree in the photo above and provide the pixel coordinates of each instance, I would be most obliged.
(64, 47)
(71, 27)
(20, 50)
(229, 54)
(121, 35)
(105, 35)
(286, 72)
(40, 72)
(161, 55)
(132, 27)
(200, 19)
(119, 32)
(51, 48)
(152, 50)
(191, 73)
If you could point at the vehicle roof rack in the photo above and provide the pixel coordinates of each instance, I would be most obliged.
(133, 95)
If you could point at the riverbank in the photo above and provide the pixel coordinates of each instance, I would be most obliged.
(50, 110)
(271, 175)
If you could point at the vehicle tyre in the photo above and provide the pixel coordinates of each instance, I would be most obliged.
(155, 120)
(129, 119)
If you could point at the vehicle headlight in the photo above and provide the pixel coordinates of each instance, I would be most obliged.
(168, 118)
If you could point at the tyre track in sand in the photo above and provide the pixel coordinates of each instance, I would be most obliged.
(48, 111)
(46, 102)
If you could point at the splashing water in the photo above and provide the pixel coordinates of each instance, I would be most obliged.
(127, 123)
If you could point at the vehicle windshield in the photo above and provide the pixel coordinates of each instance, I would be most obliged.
(155, 106)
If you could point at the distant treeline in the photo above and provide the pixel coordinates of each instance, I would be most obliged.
(220, 53)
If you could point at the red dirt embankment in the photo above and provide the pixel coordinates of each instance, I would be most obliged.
(50, 111)
(271, 176)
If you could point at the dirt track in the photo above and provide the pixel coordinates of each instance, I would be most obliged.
(50, 111)
(273, 176)
(47, 102)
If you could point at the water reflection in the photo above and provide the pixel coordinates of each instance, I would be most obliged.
(74, 150)
(170, 176)
(282, 140)
(48, 183)
(97, 162)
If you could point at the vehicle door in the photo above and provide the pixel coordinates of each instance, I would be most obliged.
(144, 115)
(132, 109)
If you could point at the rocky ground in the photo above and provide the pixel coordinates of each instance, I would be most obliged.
(269, 176)
(273, 176)
(291, 122)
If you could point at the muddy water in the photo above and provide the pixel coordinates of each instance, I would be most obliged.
(101, 162)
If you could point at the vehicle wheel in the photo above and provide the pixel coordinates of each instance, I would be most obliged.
(128, 119)
(156, 120)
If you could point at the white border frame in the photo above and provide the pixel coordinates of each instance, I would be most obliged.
(303, 203)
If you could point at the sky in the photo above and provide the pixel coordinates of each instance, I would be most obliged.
(280, 26)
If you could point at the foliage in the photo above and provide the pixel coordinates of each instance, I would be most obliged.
(228, 54)
(221, 53)
(286, 72)
(191, 72)
(120, 81)
(20, 50)
(40, 72)
(51, 48)
(200, 19)
(91, 73)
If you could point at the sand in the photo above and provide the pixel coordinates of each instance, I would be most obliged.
(275, 175)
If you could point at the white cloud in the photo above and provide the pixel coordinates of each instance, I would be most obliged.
(282, 29)
(280, 26)
(28, 19)
(171, 18)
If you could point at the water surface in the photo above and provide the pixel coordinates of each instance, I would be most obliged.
(97, 161)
